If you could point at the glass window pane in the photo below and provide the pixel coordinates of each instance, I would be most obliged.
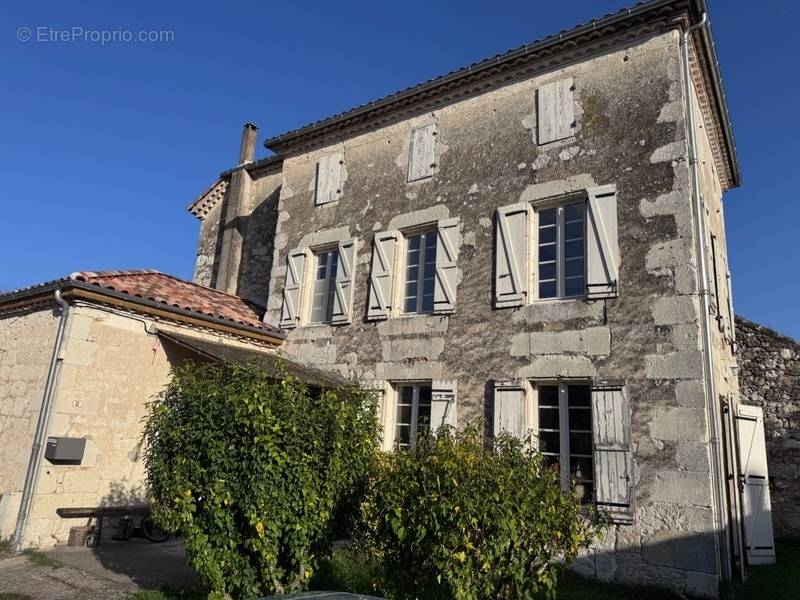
(579, 395)
(573, 249)
(547, 271)
(547, 289)
(424, 417)
(574, 287)
(549, 442)
(580, 418)
(573, 267)
(404, 435)
(547, 234)
(580, 443)
(573, 230)
(547, 253)
(548, 395)
(404, 414)
(425, 394)
(547, 216)
(548, 418)
(573, 211)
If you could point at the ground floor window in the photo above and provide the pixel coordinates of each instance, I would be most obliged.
(565, 433)
(413, 412)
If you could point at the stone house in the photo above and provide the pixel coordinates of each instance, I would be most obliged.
(769, 377)
(536, 240)
(79, 359)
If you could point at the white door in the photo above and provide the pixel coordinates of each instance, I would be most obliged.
(754, 480)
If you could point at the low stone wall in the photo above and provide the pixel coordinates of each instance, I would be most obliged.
(769, 377)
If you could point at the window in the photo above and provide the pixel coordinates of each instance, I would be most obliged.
(422, 153)
(555, 111)
(327, 264)
(565, 433)
(413, 412)
(562, 250)
(420, 272)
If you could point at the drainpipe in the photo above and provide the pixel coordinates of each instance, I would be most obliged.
(712, 402)
(32, 475)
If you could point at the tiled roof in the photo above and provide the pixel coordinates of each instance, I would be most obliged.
(154, 287)
(166, 289)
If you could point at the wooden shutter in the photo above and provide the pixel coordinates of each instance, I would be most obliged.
(447, 247)
(379, 303)
(292, 288)
(509, 408)
(511, 259)
(555, 112)
(329, 170)
(422, 152)
(602, 245)
(343, 298)
(443, 404)
(754, 479)
(613, 460)
(386, 410)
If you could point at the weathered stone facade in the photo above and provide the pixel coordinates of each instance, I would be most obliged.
(769, 377)
(630, 133)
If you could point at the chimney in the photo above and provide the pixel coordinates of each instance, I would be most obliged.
(235, 210)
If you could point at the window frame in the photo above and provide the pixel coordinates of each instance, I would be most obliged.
(402, 265)
(558, 203)
(564, 431)
(330, 282)
(396, 387)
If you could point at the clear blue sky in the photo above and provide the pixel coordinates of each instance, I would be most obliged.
(103, 146)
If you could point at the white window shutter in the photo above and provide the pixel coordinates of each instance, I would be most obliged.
(443, 404)
(756, 505)
(602, 243)
(386, 410)
(446, 282)
(555, 111)
(509, 408)
(345, 281)
(422, 152)
(613, 460)
(381, 289)
(292, 288)
(329, 171)
(511, 259)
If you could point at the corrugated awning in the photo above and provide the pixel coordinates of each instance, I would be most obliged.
(272, 362)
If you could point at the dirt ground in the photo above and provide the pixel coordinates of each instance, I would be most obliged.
(113, 571)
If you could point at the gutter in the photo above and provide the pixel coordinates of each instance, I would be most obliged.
(713, 411)
(32, 475)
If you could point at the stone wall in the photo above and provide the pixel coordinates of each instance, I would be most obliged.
(769, 377)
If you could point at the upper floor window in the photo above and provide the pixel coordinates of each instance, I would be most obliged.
(420, 272)
(422, 153)
(549, 249)
(561, 251)
(327, 264)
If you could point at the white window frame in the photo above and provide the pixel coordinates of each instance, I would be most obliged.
(394, 423)
(564, 430)
(329, 281)
(400, 268)
(430, 229)
(558, 203)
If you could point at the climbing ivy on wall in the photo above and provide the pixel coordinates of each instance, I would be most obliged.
(256, 472)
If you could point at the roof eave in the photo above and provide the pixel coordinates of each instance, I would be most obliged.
(87, 291)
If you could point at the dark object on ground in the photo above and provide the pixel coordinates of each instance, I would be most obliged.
(150, 530)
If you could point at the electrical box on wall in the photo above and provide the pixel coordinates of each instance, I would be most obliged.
(64, 450)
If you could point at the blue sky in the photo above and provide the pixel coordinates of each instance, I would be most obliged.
(104, 145)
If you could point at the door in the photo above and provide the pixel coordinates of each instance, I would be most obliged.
(754, 486)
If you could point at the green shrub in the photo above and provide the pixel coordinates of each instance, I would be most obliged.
(255, 472)
(451, 518)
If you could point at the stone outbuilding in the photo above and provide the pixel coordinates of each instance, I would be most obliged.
(79, 359)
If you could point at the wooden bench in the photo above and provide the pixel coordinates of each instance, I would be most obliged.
(99, 513)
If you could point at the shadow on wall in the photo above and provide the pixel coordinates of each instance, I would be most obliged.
(258, 232)
(146, 563)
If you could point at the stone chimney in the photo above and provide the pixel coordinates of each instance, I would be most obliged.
(237, 207)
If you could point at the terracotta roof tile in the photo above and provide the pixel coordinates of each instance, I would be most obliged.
(166, 289)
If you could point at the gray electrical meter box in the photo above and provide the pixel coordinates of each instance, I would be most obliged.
(65, 450)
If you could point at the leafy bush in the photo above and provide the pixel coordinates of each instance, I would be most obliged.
(451, 518)
(254, 472)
